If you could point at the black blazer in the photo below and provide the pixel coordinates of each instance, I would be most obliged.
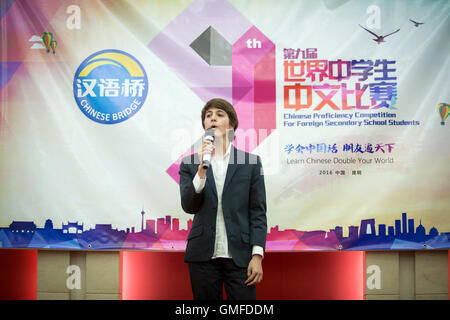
(243, 204)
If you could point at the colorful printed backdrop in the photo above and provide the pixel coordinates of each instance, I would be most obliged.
(345, 101)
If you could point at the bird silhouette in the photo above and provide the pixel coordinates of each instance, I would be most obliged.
(416, 24)
(379, 39)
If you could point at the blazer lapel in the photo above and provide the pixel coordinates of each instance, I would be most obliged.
(210, 180)
(232, 165)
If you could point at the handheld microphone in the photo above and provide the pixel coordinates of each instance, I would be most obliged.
(209, 136)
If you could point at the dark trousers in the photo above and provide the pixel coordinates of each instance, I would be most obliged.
(208, 278)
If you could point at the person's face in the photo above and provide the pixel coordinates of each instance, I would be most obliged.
(218, 120)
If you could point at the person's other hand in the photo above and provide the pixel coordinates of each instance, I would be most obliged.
(254, 271)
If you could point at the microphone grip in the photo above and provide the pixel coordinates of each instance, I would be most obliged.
(206, 164)
(207, 156)
(206, 161)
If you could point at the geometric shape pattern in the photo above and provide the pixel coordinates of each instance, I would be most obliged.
(4, 6)
(200, 34)
(173, 46)
(7, 69)
(213, 48)
(254, 87)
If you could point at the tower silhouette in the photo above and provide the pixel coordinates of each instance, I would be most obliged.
(142, 222)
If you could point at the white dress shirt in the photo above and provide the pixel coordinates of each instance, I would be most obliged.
(220, 166)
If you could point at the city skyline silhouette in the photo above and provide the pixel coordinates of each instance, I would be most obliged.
(164, 233)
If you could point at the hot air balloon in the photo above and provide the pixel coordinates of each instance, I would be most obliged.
(47, 38)
(443, 109)
(53, 45)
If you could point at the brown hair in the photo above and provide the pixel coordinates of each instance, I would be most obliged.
(224, 105)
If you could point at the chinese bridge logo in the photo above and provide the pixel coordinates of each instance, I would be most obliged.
(110, 86)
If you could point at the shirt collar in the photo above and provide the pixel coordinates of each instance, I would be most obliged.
(227, 153)
(228, 149)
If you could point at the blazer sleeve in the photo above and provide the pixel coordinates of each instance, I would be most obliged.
(257, 206)
(190, 200)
